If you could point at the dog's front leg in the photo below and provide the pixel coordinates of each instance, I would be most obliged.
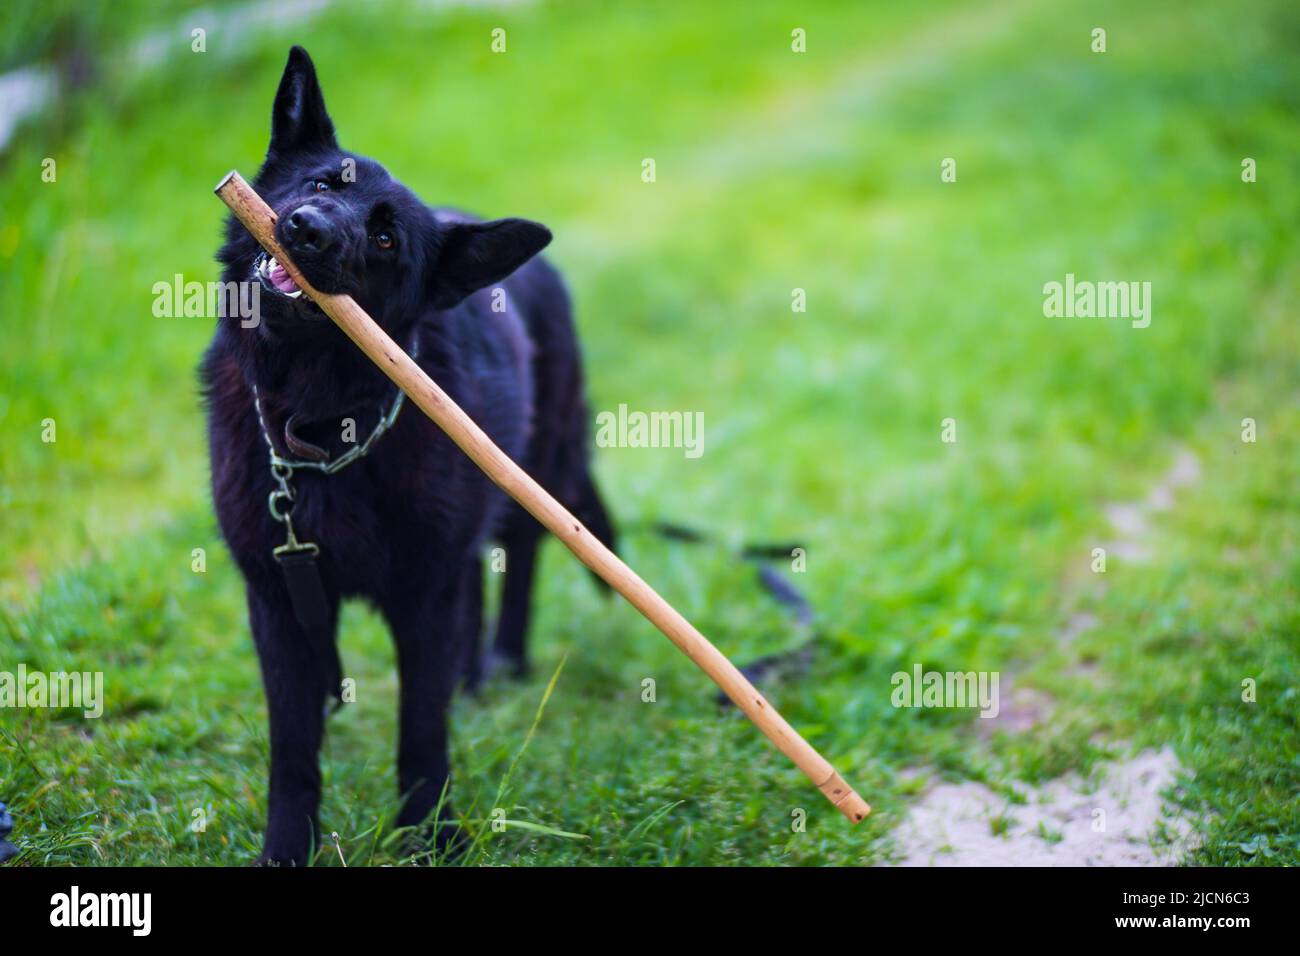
(295, 697)
(429, 627)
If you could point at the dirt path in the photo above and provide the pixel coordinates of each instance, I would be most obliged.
(1119, 817)
(1067, 822)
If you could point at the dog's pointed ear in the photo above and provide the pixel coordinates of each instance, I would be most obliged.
(299, 119)
(472, 255)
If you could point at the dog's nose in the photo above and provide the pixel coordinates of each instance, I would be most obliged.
(308, 229)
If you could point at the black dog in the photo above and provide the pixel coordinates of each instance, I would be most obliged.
(401, 525)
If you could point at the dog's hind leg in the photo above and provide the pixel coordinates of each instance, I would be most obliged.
(509, 648)
(296, 691)
(471, 666)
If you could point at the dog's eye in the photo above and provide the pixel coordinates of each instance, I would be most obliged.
(385, 240)
(320, 185)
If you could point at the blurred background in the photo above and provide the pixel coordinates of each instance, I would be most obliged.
(776, 171)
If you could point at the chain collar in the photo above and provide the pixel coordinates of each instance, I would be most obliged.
(343, 460)
(281, 499)
(348, 457)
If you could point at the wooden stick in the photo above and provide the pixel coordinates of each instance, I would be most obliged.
(248, 206)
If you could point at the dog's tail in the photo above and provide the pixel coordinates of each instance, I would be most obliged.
(591, 511)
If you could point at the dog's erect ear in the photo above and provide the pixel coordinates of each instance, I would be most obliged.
(298, 119)
(476, 254)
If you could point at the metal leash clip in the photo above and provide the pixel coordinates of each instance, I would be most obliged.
(280, 502)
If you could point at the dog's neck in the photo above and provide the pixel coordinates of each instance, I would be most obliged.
(325, 385)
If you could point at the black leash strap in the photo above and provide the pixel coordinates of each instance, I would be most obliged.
(297, 560)
(789, 663)
(302, 579)
(781, 589)
(306, 591)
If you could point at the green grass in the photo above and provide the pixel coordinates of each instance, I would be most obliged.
(775, 171)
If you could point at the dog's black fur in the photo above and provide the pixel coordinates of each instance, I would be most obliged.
(403, 526)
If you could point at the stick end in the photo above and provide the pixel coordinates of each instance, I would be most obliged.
(845, 798)
(854, 807)
(224, 181)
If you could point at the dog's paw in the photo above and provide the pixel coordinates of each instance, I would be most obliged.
(444, 843)
(283, 856)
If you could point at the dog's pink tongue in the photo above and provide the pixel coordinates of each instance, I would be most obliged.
(282, 280)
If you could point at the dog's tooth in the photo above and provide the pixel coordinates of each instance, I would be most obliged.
(294, 295)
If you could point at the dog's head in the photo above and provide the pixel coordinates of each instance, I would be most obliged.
(351, 228)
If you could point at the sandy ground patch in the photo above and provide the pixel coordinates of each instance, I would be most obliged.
(1131, 520)
(1113, 819)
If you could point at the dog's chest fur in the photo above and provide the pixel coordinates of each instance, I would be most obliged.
(415, 501)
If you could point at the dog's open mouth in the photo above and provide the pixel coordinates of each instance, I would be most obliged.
(275, 277)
